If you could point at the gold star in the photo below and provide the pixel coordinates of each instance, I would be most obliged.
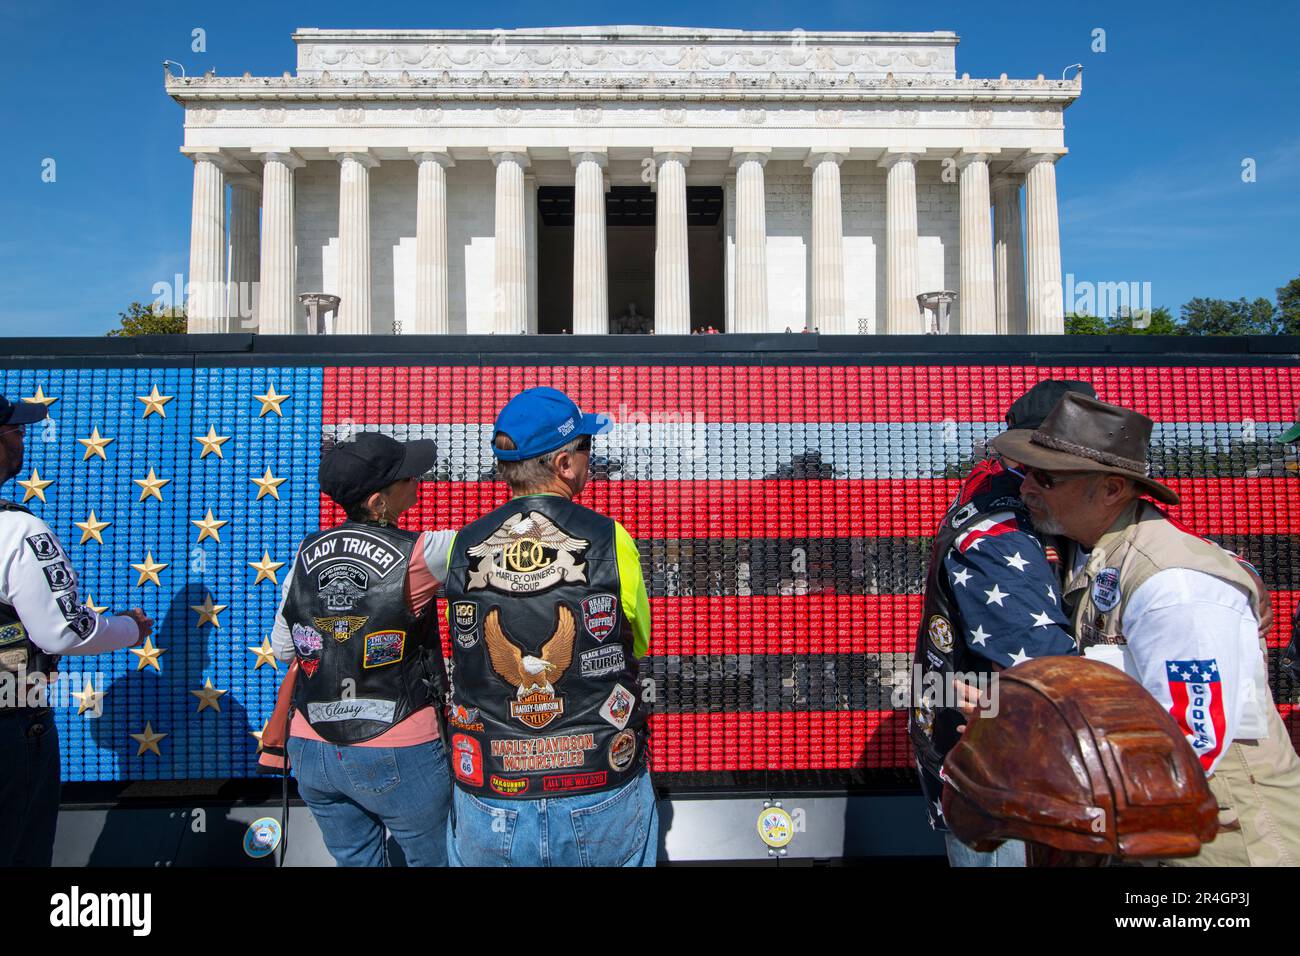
(265, 655)
(271, 402)
(148, 740)
(211, 442)
(88, 699)
(92, 527)
(40, 398)
(258, 734)
(154, 402)
(90, 603)
(268, 485)
(266, 568)
(36, 486)
(148, 655)
(151, 486)
(207, 611)
(209, 696)
(95, 445)
(209, 527)
(148, 570)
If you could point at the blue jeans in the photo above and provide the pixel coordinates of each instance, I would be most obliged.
(355, 792)
(1010, 853)
(610, 828)
(29, 787)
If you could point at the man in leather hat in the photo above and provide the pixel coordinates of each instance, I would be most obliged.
(1173, 611)
(549, 616)
(991, 601)
(359, 619)
(41, 618)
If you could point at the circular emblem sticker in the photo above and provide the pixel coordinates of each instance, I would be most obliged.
(941, 633)
(262, 837)
(621, 750)
(775, 828)
(1105, 589)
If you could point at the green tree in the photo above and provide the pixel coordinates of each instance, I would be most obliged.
(1223, 317)
(1288, 308)
(1077, 324)
(150, 319)
(1158, 322)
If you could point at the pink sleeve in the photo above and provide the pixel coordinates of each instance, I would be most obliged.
(420, 582)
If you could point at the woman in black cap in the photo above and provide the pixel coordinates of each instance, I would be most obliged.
(358, 617)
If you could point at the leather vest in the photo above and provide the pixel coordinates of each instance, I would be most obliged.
(546, 697)
(19, 655)
(366, 661)
(941, 648)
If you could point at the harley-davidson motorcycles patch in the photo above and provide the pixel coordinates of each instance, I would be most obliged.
(527, 554)
(543, 753)
(536, 703)
(599, 615)
(383, 648)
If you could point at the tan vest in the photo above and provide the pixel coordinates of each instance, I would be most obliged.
(1139, 544)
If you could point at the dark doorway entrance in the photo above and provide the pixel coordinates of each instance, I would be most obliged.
(630, 257)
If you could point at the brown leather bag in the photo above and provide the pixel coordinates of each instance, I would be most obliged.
(1079, 758)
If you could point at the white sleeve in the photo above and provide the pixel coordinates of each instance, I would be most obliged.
(281, 638)
(1190, 638)
(437, 553)
(37, 578)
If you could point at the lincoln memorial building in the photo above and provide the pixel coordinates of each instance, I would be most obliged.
(624, 179)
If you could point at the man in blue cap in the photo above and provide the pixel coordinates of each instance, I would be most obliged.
(549, 616)
(41, 618)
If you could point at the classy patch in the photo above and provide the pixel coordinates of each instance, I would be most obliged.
(563, 752)
(467, 758)
(617, 708)
(622, 750)
(601, 661)
(1105, 589)
(536, 703)
(527, 554)
(342, 586)
(599, 615)
(940, 631)
(355, 708)
(43, 546)
(341, 628)
(383, 648)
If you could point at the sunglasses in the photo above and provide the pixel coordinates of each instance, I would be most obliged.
(1050, 479)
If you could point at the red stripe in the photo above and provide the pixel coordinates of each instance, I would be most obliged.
(1284, 604)
(968, 540)
(810, 509)
(384, 395)
(820, 740)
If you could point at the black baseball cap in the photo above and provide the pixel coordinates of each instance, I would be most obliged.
(1028, 411)
(353, 470)
(24, 413)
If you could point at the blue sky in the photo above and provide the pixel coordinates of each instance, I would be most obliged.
(1152, 189)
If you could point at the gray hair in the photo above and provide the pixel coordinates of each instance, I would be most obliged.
(531, 474)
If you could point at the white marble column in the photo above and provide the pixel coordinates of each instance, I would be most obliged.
(672, 308)
(1043, 240)
(751, 239)
(590, 265)
(828, 311)
(277, 276)
(510, 269)
(355, 163)
(1008, 256)
(241, 291)
(431, 306)
(976, 301)
(902, 273)
(205, 305)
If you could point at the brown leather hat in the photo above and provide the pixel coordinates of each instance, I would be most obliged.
(1081, 758)
(1084, 434)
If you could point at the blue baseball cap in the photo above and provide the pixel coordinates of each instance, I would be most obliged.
(540, 420)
